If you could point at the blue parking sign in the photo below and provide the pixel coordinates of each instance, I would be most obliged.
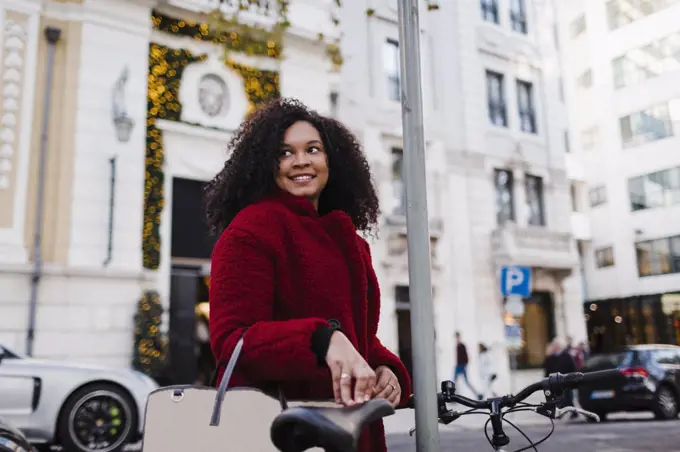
(515, 280)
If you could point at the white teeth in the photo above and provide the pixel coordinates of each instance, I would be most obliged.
(302, 178)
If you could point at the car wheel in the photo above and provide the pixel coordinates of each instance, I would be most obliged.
(666, 404)
(97, 418)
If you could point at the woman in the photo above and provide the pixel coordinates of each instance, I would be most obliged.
(289, 271)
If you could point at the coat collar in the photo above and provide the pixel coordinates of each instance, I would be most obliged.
(298, 204)
(305, 207)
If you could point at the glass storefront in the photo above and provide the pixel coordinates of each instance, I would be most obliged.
(646, 319)
(537, 329)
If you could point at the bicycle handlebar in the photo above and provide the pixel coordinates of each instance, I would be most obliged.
(553, 386)
(554, 383)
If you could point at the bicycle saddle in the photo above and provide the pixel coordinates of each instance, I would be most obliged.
(334, 429)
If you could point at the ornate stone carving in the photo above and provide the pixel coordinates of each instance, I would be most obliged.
(212, 95)
(14, 40)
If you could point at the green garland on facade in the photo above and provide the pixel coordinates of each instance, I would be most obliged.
(151, 346)
(166, 66)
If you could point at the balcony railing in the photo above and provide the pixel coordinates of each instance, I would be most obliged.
(534, 247)
(260, 8)
(308, 19)
(397, 252)
(397, 222)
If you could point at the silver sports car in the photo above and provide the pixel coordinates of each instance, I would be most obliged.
(83, 408)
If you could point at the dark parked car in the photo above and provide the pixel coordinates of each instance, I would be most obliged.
(11, 439)
(650, 381)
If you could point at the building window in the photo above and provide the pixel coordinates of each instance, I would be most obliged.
(490, 10)
(533, 187)
(585, 80)
(598, 196)
(505, 206)
(652, 124)
(652, 60)
(589, 138)
(518, 16)
(567, 147)
(398, 186)
(624, 12)
(658, 189)
(658, 257)
(496, 98)
(525, 103)
(577, 26)
(604, 257)
(391, 66)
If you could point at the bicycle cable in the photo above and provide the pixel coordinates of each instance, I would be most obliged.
(532, 444)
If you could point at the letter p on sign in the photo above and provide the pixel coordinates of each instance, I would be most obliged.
(516, 280)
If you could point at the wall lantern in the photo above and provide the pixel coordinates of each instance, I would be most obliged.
(121, 120)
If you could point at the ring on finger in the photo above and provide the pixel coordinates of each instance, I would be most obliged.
(344, 376)
(394, 388)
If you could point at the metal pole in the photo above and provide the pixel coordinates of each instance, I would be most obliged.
(112, 204)
(52, 35)
(513, 371)
(422, 316)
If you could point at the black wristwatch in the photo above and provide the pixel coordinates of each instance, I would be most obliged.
(321, 339)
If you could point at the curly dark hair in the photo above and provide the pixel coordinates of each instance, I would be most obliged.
(248, 175)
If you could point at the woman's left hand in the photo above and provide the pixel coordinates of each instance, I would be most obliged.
(387, 385)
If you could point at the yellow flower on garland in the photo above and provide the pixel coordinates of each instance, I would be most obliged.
(151, 346)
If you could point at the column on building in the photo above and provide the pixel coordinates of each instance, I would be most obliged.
(20, 35)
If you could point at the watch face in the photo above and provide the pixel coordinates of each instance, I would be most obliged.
(212, 95)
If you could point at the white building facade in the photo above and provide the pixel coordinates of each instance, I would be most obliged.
(497, 185)
(621, 64)
(498, 193)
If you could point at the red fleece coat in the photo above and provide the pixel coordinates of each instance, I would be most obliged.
(280, 271)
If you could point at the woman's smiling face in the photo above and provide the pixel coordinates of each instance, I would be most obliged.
(303, 163)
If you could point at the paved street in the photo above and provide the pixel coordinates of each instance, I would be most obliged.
(619, 436)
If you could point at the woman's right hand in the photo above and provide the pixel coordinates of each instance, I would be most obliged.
(347, 366)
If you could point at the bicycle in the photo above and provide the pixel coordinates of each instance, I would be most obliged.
(337, 429)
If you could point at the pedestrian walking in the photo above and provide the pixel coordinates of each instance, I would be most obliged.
(580, 355)
(290, 274)
(462, 361)
(559, 360)
(487, 373)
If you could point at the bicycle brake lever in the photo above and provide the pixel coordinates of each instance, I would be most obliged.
(444, 419)
(449, 417)
(572, 409)
(548, 410)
